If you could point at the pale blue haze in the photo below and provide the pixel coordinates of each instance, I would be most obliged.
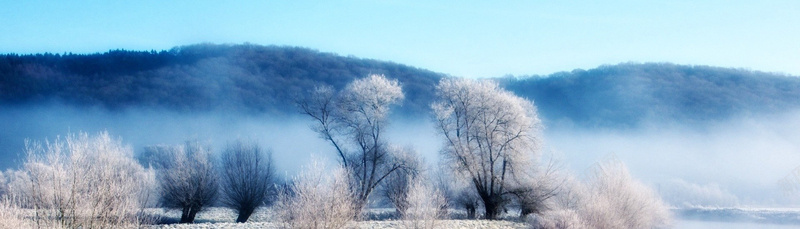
(462, 38)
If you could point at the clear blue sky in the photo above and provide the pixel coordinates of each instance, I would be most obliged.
(462, 38)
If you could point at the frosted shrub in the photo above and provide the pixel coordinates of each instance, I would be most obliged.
(616, 200)
(12, 215)
(81, 181)
(556, 219)
(425, 205)
(610, 198)
(315, 200)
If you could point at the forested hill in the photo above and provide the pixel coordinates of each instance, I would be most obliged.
(265, 79)
(242, 78)
(625, 95)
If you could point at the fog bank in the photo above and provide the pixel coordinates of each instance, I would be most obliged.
(735, 162)
(721, 163)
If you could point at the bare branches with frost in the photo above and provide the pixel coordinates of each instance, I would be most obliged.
(356, 118)
(247, 178)
(188, 180)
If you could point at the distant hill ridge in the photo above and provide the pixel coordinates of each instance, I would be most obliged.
(265, 79)
(627, 94)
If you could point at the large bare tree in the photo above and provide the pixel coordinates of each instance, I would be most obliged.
(248, 178)
(491, 137)
(357, 117)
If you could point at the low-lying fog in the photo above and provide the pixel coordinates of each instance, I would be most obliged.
(738, 162)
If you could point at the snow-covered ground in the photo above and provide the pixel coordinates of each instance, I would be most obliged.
(263, 218)
(381, 218)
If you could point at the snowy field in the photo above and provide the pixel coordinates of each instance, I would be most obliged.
(692, 218)
(377, 218)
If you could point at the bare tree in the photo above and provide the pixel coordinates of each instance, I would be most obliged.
(491, 137)
(315, 200)
(187, 181)
(357, 117)
(80, 181)
(248, 178)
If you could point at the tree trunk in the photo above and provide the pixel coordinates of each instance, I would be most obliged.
(470, 211)
(244, 215)
(185, 215)
(492, 206)
(188, 213)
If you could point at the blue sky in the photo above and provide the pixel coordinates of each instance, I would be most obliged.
(462, 38)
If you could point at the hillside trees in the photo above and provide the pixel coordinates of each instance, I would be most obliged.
(357, 117)
(247, 179)
(491, 137)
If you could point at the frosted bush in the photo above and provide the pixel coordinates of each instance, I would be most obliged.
(610, 198)
(425, 205)
(315, 200)
(80, 181)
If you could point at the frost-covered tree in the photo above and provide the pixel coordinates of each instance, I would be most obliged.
(356, 117)
(187, 180)
(80, 181)
(248, 178)
(491, 137)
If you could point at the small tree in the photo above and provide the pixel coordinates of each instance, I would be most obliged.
(248, 178)
(395, 187)
(187, 181)
(491, 137)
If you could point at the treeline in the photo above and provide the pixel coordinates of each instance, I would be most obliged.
(626, 95)
(246, 78)
(268, 79)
